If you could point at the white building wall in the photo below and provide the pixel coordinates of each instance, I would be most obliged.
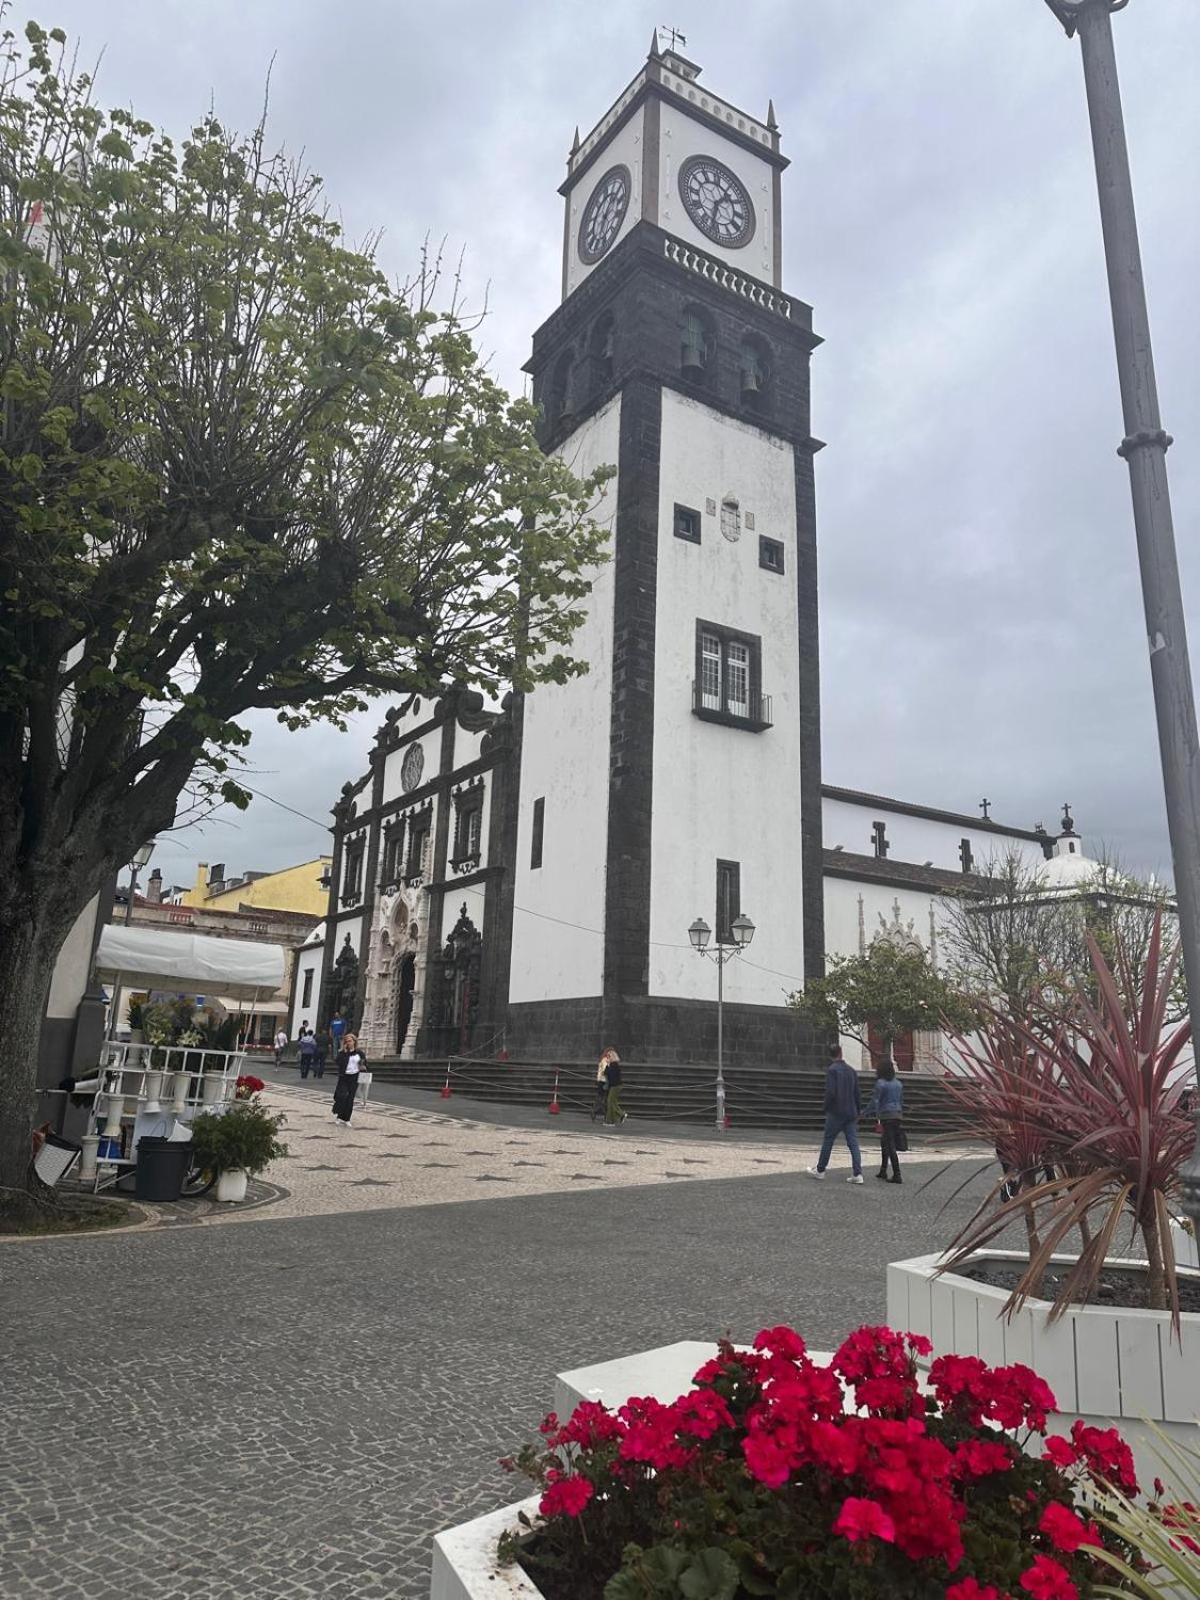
(681, 136)
(918, 840)
(842, 897)
(626, 150)
(723, 792)
(308, 959)
(431, 746)
(466, 745)
(564, 758)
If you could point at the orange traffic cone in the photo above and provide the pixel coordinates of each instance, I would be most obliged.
(554, 1105)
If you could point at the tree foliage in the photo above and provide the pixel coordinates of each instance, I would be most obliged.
(239, 469)
(892, 989)
(1015, 943)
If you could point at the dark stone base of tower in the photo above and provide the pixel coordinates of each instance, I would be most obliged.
(663, 1032)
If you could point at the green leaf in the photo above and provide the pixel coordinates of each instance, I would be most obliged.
(710, 1575)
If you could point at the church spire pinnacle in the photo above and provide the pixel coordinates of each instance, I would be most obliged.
(654, 50)
(771, 123)
(575, 140)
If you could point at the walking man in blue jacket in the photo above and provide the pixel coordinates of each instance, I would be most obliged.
(842, 1108)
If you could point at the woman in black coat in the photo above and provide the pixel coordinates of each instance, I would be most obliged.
(350, 1062)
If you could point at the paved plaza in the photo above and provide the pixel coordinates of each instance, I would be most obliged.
(288, 1402)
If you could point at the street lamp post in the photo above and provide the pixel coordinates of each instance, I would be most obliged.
(141, 858)
(700, 933)
(1144, 448)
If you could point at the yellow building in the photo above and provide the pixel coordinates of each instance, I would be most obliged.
(302, 888)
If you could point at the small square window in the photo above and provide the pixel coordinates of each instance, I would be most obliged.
(770, 554)
(687, 524)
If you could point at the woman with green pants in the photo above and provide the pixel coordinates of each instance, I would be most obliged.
(612, 1077)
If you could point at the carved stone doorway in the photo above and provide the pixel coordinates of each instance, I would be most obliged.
(405, 984)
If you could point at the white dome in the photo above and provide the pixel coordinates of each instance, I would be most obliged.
(1070, 870)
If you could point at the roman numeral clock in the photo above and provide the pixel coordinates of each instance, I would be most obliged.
(680, 777)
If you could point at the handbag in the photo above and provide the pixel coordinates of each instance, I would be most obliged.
(901, 1137)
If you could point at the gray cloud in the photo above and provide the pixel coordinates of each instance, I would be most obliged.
(981, 622)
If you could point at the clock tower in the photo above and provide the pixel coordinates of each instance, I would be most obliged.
(681, 777)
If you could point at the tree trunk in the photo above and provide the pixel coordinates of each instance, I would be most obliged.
(27, 957)
(1156, 1278)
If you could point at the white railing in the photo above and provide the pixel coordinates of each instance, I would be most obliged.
(172, 1077)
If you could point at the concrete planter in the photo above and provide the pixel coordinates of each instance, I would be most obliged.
(1105, 1364)
(465, 1566)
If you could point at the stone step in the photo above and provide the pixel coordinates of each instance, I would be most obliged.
(754, 1097)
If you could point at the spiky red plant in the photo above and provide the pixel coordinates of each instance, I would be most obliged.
(1102, 1107)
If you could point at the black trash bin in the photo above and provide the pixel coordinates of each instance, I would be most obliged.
(162, 1166)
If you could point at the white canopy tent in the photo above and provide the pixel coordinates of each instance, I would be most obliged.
(132, 1078)
(169, 958)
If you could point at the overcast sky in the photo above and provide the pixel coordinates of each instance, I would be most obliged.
(980, 610)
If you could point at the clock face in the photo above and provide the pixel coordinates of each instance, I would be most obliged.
(717, 202)
(412, 767)
(603, 215)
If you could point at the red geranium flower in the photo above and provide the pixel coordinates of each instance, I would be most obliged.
(979, 1458)
(1107, 1456)
(1047, 1580)
(971, 1589)
(1064, 1529)
(566, 1497)
(1061, 1451)
(781, 1341)
(864, 1519)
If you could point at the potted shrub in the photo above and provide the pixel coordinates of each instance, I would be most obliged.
(237, 1143)
(1088, 1115)
(777, 1476)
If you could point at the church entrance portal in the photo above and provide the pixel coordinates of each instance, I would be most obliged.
(404, 998)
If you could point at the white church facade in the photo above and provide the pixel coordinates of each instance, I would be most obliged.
(521, 878)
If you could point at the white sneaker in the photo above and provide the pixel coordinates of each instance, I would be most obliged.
(856, 1177)
(814, 1172)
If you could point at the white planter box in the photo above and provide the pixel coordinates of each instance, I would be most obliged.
(1105, 1364)
(464, 1558)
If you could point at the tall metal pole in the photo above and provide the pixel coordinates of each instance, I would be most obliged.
(133, 878)
(720, 1039)
(1145, 448)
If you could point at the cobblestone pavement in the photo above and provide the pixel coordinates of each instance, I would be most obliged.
(393, 1156)
(237, 1412)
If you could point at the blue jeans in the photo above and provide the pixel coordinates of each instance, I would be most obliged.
(843, 1125)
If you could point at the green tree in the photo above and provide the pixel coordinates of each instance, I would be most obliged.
(893, 990)
(239, 469)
